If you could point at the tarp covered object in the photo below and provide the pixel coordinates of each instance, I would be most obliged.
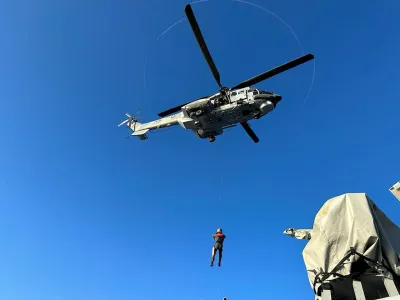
(351, 220)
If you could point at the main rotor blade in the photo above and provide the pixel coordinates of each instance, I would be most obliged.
(250, 131)
(275, 71)
(177, 108)
(171, 110)
(202, 43)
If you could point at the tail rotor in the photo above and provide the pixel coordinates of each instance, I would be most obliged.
(134, 125)
(131, 119)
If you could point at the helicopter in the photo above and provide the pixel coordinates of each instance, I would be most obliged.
(209, 116)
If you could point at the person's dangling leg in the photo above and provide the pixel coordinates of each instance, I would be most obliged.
(219, 256)
(212, 256)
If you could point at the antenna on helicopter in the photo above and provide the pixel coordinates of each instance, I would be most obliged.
(249, 82)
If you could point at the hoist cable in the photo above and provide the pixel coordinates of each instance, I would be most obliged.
(220, 200)
(222, 286)
(302, 104)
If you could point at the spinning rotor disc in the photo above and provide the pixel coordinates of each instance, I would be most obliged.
(214, 70)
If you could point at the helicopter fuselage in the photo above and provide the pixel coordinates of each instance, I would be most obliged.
(208, 117)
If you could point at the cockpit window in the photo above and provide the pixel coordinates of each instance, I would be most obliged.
(266, 92)
(255, 92)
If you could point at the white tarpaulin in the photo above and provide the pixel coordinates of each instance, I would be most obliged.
(345, 221)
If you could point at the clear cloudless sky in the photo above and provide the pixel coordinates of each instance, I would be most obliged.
(86, 213)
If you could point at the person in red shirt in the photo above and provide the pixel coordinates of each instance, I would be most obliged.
(219, 238)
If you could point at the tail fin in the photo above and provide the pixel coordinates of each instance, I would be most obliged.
(136, 127)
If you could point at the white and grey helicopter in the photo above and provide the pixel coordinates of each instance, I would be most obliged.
(208, 116)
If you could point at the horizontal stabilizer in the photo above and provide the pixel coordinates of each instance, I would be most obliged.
(140, 132)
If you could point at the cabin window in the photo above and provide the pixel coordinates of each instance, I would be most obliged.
(234, 93)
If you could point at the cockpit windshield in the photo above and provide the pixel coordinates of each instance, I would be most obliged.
(265, 92)
(254, 91)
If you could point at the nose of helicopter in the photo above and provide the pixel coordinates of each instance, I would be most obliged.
(277, 98)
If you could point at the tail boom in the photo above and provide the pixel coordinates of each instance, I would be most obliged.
(140, 129)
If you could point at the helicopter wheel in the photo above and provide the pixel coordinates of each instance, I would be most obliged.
(211, 139)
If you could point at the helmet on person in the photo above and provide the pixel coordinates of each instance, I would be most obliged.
(219, 230)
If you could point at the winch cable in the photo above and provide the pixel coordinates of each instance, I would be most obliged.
(222, 216)
(222, 286)
(302, 104)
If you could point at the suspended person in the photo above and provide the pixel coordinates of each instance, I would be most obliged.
(219, 238)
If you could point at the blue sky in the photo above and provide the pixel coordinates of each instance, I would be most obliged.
(87, 214)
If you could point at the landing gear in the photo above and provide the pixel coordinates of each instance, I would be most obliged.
(211, 139)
